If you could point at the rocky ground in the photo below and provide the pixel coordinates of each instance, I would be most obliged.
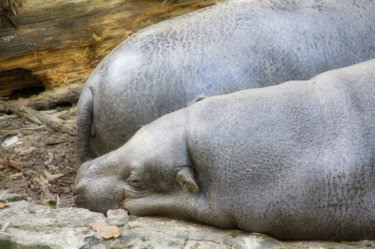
(37, 170)
(27, 225)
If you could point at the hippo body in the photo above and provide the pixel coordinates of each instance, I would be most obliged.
(295, 160)
(235, 45)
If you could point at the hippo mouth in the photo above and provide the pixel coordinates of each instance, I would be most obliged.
(132, 194)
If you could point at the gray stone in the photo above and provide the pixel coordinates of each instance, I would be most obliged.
(34, 226)
(117, 217)
(31, 225)
(100, 246)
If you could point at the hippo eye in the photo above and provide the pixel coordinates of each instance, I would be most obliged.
(134, 182)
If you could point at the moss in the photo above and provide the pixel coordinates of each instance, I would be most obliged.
(265, 236)
(234, 234)
(50, 206)
(118, 246)
(14, 199)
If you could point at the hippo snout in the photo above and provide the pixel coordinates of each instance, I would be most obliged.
(98, 194)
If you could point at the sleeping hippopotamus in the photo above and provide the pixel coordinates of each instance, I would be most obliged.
(295, 160)
(235, 45)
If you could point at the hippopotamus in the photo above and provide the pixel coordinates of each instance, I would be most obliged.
(295, 160)
(231, 46)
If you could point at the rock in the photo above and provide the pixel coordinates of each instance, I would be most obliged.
(118, 217)
(32, 225)
(7, 197)
(29, 226)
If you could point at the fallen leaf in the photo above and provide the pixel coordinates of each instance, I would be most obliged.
(11, 164)
(50, 159)
(43, 182)
(3, 205)
(105, 232)
(23, 150)
(52, 177)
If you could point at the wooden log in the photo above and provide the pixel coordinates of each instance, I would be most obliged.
(61, 42)
(16, 79)
(46, 100)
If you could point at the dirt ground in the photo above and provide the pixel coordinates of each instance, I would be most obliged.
(37, 161)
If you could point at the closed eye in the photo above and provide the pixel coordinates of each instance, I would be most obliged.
(135, 181)
(136, 184)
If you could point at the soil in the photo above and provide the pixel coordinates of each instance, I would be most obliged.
(37, 161)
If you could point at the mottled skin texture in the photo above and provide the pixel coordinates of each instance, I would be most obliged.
(294, 160)
(231, 46)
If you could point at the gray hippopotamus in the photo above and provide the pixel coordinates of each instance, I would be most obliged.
(295, 160)
(235, 45)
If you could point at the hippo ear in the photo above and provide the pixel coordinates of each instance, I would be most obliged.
(185, 177)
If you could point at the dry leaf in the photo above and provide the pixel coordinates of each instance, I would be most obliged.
(50, 159)
(105, 232)
(11, 164)
(43, 182)
(52, 177)
(24, 150)
(3, 205)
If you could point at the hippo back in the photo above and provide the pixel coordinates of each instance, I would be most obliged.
(300, 162)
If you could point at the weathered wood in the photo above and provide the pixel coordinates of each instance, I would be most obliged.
(39, 118)
(48, 99)
(28, 108)
(50, 121)
(16, 79)
(60, 42)
(16, 109)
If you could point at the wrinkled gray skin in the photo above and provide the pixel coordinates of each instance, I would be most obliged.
(231, 46)
(294, 160)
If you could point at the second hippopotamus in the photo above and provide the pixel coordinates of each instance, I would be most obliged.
(228, 47)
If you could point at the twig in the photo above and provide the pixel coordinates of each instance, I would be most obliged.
(39, 118)
(11, 164)
(8, 162)
(18, 110)
(8, 117)
(4, 234)
(5, 227)
(163, 3)
(51, 122)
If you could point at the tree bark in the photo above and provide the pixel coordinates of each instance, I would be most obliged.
(56, 43)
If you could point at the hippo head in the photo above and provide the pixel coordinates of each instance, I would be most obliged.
(154, 161)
